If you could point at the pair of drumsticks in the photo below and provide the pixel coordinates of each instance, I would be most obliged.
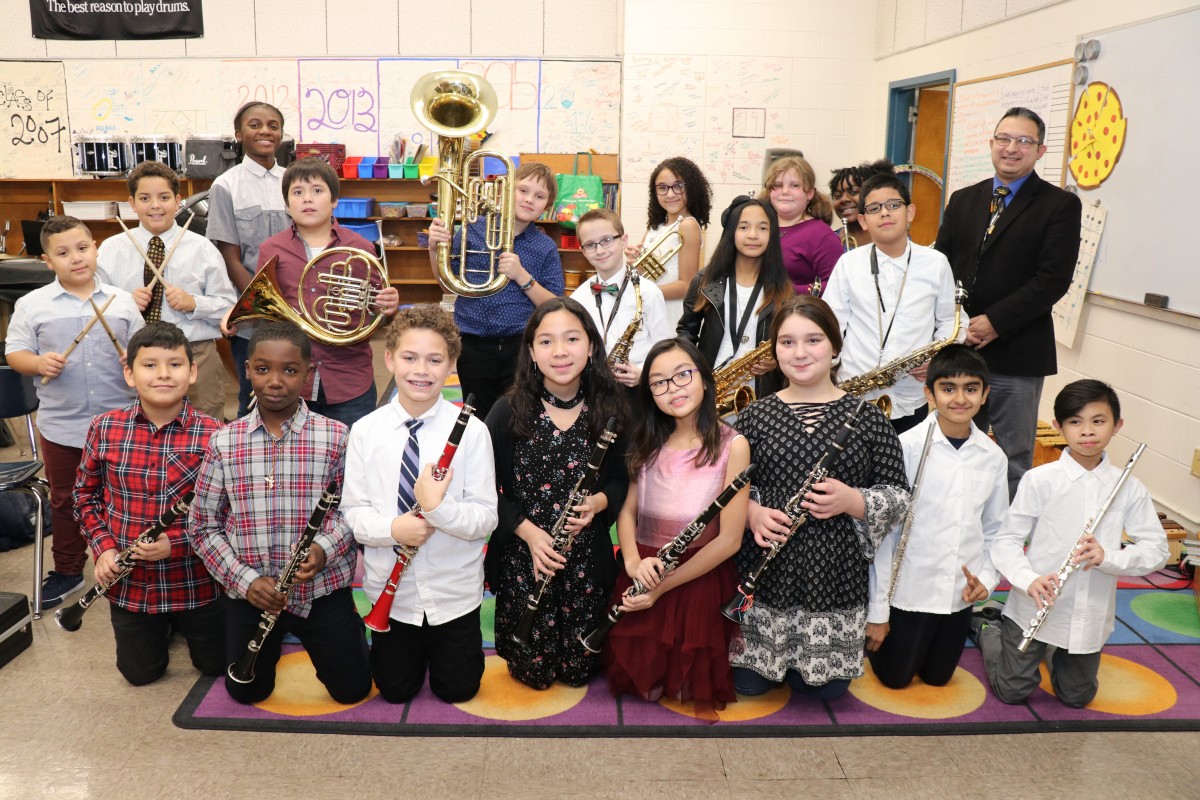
(158, 276)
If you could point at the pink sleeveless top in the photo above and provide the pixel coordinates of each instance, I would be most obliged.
(672, 490)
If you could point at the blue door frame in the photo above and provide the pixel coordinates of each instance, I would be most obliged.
(902, 95)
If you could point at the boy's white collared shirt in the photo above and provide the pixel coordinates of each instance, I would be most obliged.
(924, 314)
(1053, 505)
(960, 507)
(655, 326)
(445, 579)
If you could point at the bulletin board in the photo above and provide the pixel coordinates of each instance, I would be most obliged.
(544, 105)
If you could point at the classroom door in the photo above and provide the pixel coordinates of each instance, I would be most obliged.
(929, 153)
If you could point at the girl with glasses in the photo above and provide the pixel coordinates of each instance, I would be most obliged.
(673, 641)
(808, 622)
(679, 192)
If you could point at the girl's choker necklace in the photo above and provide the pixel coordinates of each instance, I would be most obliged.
(558, 402)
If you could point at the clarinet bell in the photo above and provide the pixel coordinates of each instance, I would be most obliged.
(520, 634)
(71, 617)
(736, 607)
(242, 670)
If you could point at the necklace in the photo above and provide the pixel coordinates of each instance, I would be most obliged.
(276, 447)
(558, 402)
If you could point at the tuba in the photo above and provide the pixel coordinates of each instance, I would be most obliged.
(350, 280)
(455, 105)
(652, 261)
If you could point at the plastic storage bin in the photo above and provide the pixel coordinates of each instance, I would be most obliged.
(350, 167)
(395, 171)
(91, 209)
(355, 207)
(393, 210)
(366, 167)
(367, 230)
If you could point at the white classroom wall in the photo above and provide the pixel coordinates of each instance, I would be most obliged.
(1153, 365)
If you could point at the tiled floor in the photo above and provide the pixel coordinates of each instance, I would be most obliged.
(70, 727)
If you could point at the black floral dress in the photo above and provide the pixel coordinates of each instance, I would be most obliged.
(546, 468)
(810, 609)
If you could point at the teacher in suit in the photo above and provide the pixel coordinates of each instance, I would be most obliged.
(1012, 240)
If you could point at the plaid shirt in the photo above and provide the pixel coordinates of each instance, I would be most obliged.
(243, 529)
(130, 474)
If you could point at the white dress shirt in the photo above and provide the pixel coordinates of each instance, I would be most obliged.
(960, 507)
(1053, 505)
(196, 267)
(445, 579)
(924, 313)
(654, 314)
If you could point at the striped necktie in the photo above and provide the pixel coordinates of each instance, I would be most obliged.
(995, 210)
(410, 465)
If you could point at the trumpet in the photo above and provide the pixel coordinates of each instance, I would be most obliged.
(456, 105)
(379, 619)
(563, 539)
(670, 554)
(735, 389)
(341, 314)
(70, 618)
(848, 241)
(1069, 565)
(743, 598)
(242, 670)
(620, 351)
(887, 375)
(652, 261)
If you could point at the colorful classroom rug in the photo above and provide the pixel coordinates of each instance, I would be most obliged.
(1149, 680)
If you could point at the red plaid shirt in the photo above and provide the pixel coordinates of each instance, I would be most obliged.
(130, 474)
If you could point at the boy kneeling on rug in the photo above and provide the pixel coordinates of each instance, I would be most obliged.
(1054, 505)
(260, 481)
(434, 616)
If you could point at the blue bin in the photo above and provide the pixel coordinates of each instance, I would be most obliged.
(367, 230)
(355, 207)
(366, 167)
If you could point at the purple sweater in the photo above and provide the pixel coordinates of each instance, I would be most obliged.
(810, 249)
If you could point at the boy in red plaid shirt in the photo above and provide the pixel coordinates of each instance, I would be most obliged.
(137, 462)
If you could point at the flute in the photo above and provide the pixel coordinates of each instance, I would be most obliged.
(1069, 565)
(671, 554)
(242, 670)
(379, 617)
(70, 618)
(563, 539)
(902, 542)
(743, 598)
(82, 334)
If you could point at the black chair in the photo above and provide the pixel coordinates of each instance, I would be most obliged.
(18, 398)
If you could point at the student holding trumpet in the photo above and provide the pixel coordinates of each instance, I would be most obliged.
(47, 326)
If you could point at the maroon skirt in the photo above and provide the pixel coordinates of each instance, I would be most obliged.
(679, 648)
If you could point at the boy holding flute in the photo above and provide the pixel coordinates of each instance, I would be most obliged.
(53, 334)
(1056, 509)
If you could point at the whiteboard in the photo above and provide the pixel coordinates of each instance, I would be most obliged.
(544, 106)
(977, 106)
(1150, 64)
(37, 137)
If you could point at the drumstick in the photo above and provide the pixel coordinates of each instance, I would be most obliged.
(107, 329)
(171, 252)
(145, 258)
(83, 333)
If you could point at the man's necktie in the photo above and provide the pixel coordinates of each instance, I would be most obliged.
(604, 288)
(155, 252)
(995, 210)
(410, 465)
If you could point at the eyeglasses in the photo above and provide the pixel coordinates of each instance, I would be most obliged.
(664, 189)
(604, 243)
(890, 205)
(1023, 142)
(680, 379)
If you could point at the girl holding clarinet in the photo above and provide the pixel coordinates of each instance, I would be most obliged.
(545, 432)
(805, 622)
(675, 642)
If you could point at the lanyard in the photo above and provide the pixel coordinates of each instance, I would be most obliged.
(616, 304)
(737, 338)
(880, 310)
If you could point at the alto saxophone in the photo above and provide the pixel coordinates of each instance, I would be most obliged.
(886, 376)
(735, 389)
(620, 351)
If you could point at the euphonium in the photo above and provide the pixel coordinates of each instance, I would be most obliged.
(653, 260)
(455, 105)
(735, 389)
(887, 375)
(620, 351)
(350, 280)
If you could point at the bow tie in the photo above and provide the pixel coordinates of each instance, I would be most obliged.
(603, 288)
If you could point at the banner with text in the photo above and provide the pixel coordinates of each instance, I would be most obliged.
(123, 19)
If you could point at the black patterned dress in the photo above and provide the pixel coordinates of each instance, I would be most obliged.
(810, 609)
(545, 470)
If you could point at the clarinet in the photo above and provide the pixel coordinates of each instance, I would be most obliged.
(70, 618)
(902, 542)
(563, 539)
(743, 598)
(1069, 566)
(380, 616)
(670, 554)
(242, 670)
